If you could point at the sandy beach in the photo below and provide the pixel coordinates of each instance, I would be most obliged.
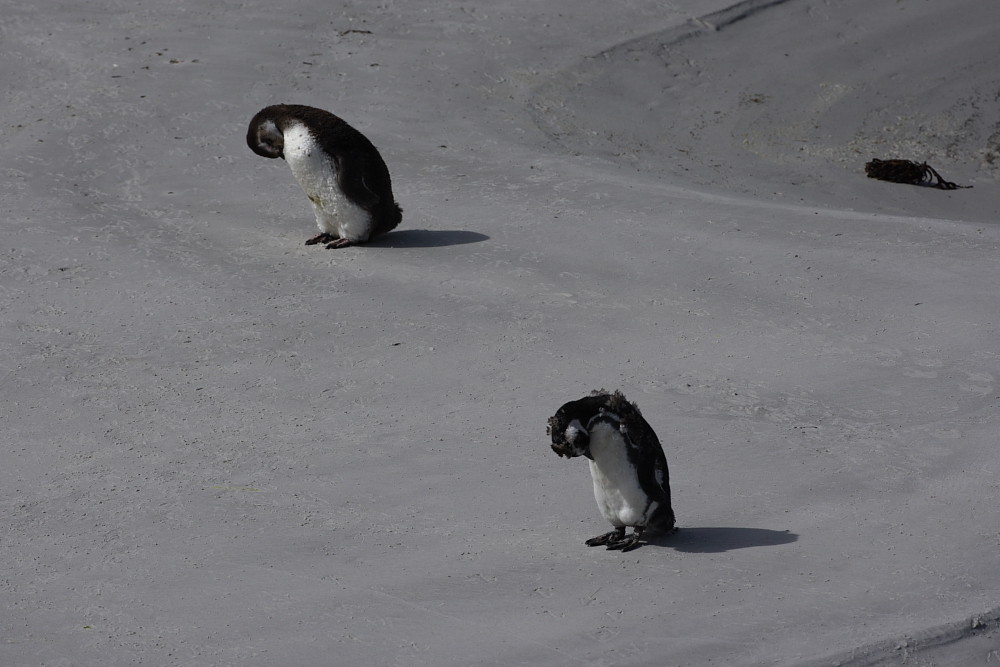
(224, 447)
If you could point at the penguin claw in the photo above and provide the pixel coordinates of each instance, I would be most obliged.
(321, 238)
(627, 544)
(608, 538)
(616, 540)
(339, 243)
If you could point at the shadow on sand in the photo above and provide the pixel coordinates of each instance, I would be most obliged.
(717, 540)
(426, 238)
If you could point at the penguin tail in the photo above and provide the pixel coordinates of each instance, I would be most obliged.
(394, 217)
(386, 218)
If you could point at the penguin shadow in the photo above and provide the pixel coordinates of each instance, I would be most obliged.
(427, 238)
(711, 540)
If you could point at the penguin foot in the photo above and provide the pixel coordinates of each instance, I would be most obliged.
(626, 544)
(339, 243)
(615, 535)
(617, 540)
(321, 238)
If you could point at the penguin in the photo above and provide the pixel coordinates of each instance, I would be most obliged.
(340, 170)
(627, 463)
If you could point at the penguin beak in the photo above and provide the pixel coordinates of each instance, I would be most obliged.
(564, 449)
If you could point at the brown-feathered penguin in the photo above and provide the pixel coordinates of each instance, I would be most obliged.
(340, 170)
(631, 479)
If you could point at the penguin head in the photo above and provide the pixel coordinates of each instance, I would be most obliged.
(570, 427)
(264, 137)
(570, 438)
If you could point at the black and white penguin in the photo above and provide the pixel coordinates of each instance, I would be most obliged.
(631, 479)
(340, 170)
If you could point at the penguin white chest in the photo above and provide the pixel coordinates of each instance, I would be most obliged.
(619, 495)
(316, 172)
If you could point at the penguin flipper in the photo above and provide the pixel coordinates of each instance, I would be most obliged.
(642, 437)
(352, 183)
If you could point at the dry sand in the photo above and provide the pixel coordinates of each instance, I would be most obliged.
(222, 447)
